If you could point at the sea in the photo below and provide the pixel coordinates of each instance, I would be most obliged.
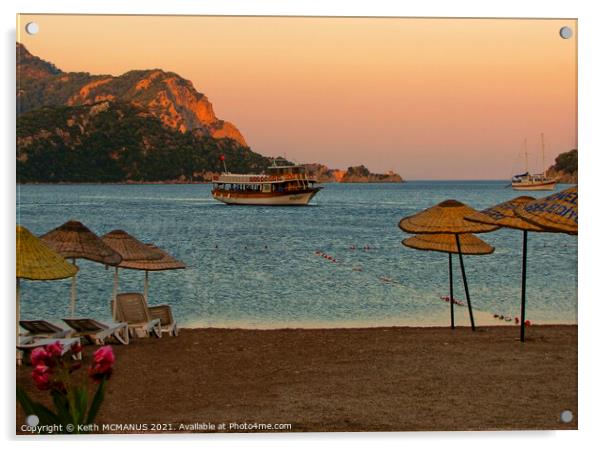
(338, 262)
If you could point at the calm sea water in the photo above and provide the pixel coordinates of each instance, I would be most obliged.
(257, 267)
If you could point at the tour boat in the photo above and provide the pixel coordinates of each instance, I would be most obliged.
(281, 186)
(528, 181)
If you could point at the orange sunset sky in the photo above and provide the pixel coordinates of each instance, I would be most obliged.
(427, 98)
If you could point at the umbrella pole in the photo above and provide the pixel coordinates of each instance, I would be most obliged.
(146, 285)
(73, 291)
(18, 307)
(115, 288)
(523, 300)
(465, 283)
(451, 292)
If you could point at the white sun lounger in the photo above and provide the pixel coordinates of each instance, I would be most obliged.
(43, 329)
(133, 310)
(29, 345)
(97, 332)
(168, 324)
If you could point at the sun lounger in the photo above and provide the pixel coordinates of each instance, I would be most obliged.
(43, 329)
(97, 332)
(133, 310)
(168, 324)
(29, 345)
(163, 312)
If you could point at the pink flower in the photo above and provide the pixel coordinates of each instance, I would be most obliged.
(41, 376)
(55, 349)
(104, 358)
(39, 356)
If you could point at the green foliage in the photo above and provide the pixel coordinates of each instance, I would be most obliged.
(70, 409)
(567, 162)
(360, 170)
(118, 142)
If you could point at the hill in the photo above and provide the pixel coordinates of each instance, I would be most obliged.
(142, 126)
(357, 174)
(565, 168)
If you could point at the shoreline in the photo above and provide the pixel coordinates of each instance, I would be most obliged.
(405, 181)
(504, 325)
(342, 380)
(482, 319)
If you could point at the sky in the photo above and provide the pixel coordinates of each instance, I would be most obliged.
(426, 98)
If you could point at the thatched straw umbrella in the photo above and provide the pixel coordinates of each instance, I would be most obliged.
(73, 240)
(503, 215)
(446, 243)
(166, 262)
(509, 214)
(131, 249)
(557, 212)
(447, 218)
(37, 262)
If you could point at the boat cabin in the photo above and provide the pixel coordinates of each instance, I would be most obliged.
(278, 179)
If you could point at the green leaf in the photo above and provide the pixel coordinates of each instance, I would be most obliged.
(25, 401)
(45, 415)
(61, 404)
(82, 404)
(96, 402)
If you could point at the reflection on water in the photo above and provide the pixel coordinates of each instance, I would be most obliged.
(258, 267)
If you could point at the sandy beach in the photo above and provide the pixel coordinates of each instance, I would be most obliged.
(378, 379)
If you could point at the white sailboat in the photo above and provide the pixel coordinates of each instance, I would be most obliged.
(539, 181)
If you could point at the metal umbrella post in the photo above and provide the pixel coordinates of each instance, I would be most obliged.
(465, 282)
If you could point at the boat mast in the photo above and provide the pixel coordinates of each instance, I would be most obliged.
(526, 156)
(543, 157)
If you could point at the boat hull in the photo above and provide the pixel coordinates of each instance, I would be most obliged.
(547, 185)
(299, 198)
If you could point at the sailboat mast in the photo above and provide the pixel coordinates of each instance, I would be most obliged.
(526, 156)
(543, 156)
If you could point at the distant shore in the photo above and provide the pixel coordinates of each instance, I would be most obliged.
(184, 183)
(369, 379)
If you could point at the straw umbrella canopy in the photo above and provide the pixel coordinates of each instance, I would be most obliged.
(446, 243)
(37, 262)
(448, 218)
(131, 249)
(73, 240)
(166, 262)
(505, 215)
(557, 212)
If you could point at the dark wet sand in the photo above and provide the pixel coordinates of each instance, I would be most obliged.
(375, 379)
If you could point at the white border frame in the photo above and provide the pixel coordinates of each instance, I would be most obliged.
(590, 74)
